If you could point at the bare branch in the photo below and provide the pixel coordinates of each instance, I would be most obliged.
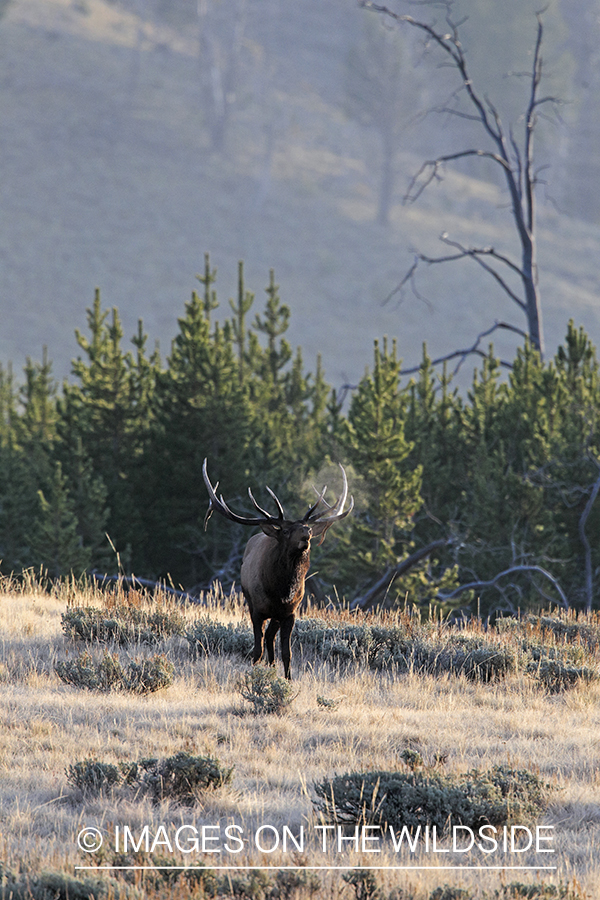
(477, 253)
(470, 351)
(385, 582)
(431, 169)
(479, 585)
(484, 251)
(408, 278)
(450, 43)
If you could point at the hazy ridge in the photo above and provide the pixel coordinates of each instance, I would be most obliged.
(107, 179)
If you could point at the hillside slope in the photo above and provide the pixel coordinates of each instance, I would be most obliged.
(107, 179)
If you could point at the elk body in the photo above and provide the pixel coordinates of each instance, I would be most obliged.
(276, 561)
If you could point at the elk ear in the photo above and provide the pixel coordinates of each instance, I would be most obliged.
(271, 529)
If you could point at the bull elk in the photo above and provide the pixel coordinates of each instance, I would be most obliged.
(276, 561)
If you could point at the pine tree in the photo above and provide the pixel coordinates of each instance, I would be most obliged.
(54, 539)
(240, 308)
(25, 458)
(8, 406)
(105, 417)
(201, 410)
(377, 448)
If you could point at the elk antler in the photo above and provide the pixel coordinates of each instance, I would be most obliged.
(219, 504)
(321, 521)
(336, 510)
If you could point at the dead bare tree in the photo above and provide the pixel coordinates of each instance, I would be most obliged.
(513, 570)
(514, 157)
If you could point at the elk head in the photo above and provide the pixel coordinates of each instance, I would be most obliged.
(314, 523)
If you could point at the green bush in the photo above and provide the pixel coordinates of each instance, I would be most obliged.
(328, 702)
(143, 677)
(266, 691)
(412, 758)
(338, 643)
(60, 886)
(435, 651)
(182, 777)
(449, 892)
(93, 778)
(567, 627)
(556, 675)
(122, 624)
(81, 672)
(497, 797)
(364, 884)
(253, 886)
(149, 675)
(290, 884)
(477, 658)
(207, 637)
(516, 890)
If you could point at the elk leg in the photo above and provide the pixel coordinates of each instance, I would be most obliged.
(270, 638)
(286, 653)
(258, 625)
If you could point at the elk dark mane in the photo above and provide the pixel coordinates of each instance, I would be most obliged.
(276, 562)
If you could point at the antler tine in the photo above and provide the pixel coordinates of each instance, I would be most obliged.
(211, 506)
(220, 505)
(265, 513)
(315, 505)
(276, 499)
(336, 510)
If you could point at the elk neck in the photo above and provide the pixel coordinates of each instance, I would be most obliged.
(288, 572)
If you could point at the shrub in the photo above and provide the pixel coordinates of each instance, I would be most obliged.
(364, 884)
(149, 675)
(266, 691)
(412, 758)
(338, 643)
(81, 672)
(343, 643)
(289, 884)
(477, 658)
(206, 637)
(435, 651)
(93, 778)
(122, 624)
(536, 891)
(328, 702)
(584, 629)
(449, 892)
(496, 797)
(557, 675)
(182, 777)
(143, 677)
(254, 886)
(60, 886)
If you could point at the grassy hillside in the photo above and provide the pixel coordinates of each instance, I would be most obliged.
(107, 179)
(347, 716)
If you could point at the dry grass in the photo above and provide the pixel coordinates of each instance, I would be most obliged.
(46, 726)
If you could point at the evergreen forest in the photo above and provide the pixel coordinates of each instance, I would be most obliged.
(482, 500)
